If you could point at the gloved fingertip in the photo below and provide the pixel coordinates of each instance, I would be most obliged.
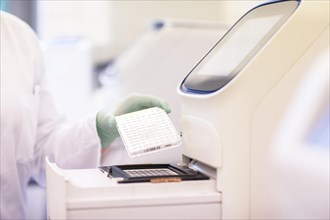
(167, 108)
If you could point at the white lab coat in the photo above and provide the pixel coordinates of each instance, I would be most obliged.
(30, 126)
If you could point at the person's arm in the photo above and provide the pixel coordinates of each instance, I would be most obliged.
(70, 145)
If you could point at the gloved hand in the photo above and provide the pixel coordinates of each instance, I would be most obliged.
(106, 123)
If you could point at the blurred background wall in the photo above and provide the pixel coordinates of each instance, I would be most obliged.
(112, 25)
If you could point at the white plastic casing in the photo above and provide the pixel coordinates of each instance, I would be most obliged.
(217, 127)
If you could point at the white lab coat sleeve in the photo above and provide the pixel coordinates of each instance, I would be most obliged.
(69, 145)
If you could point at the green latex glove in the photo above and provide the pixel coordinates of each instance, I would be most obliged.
(106, 123)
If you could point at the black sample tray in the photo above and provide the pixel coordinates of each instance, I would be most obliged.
(152, 173)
